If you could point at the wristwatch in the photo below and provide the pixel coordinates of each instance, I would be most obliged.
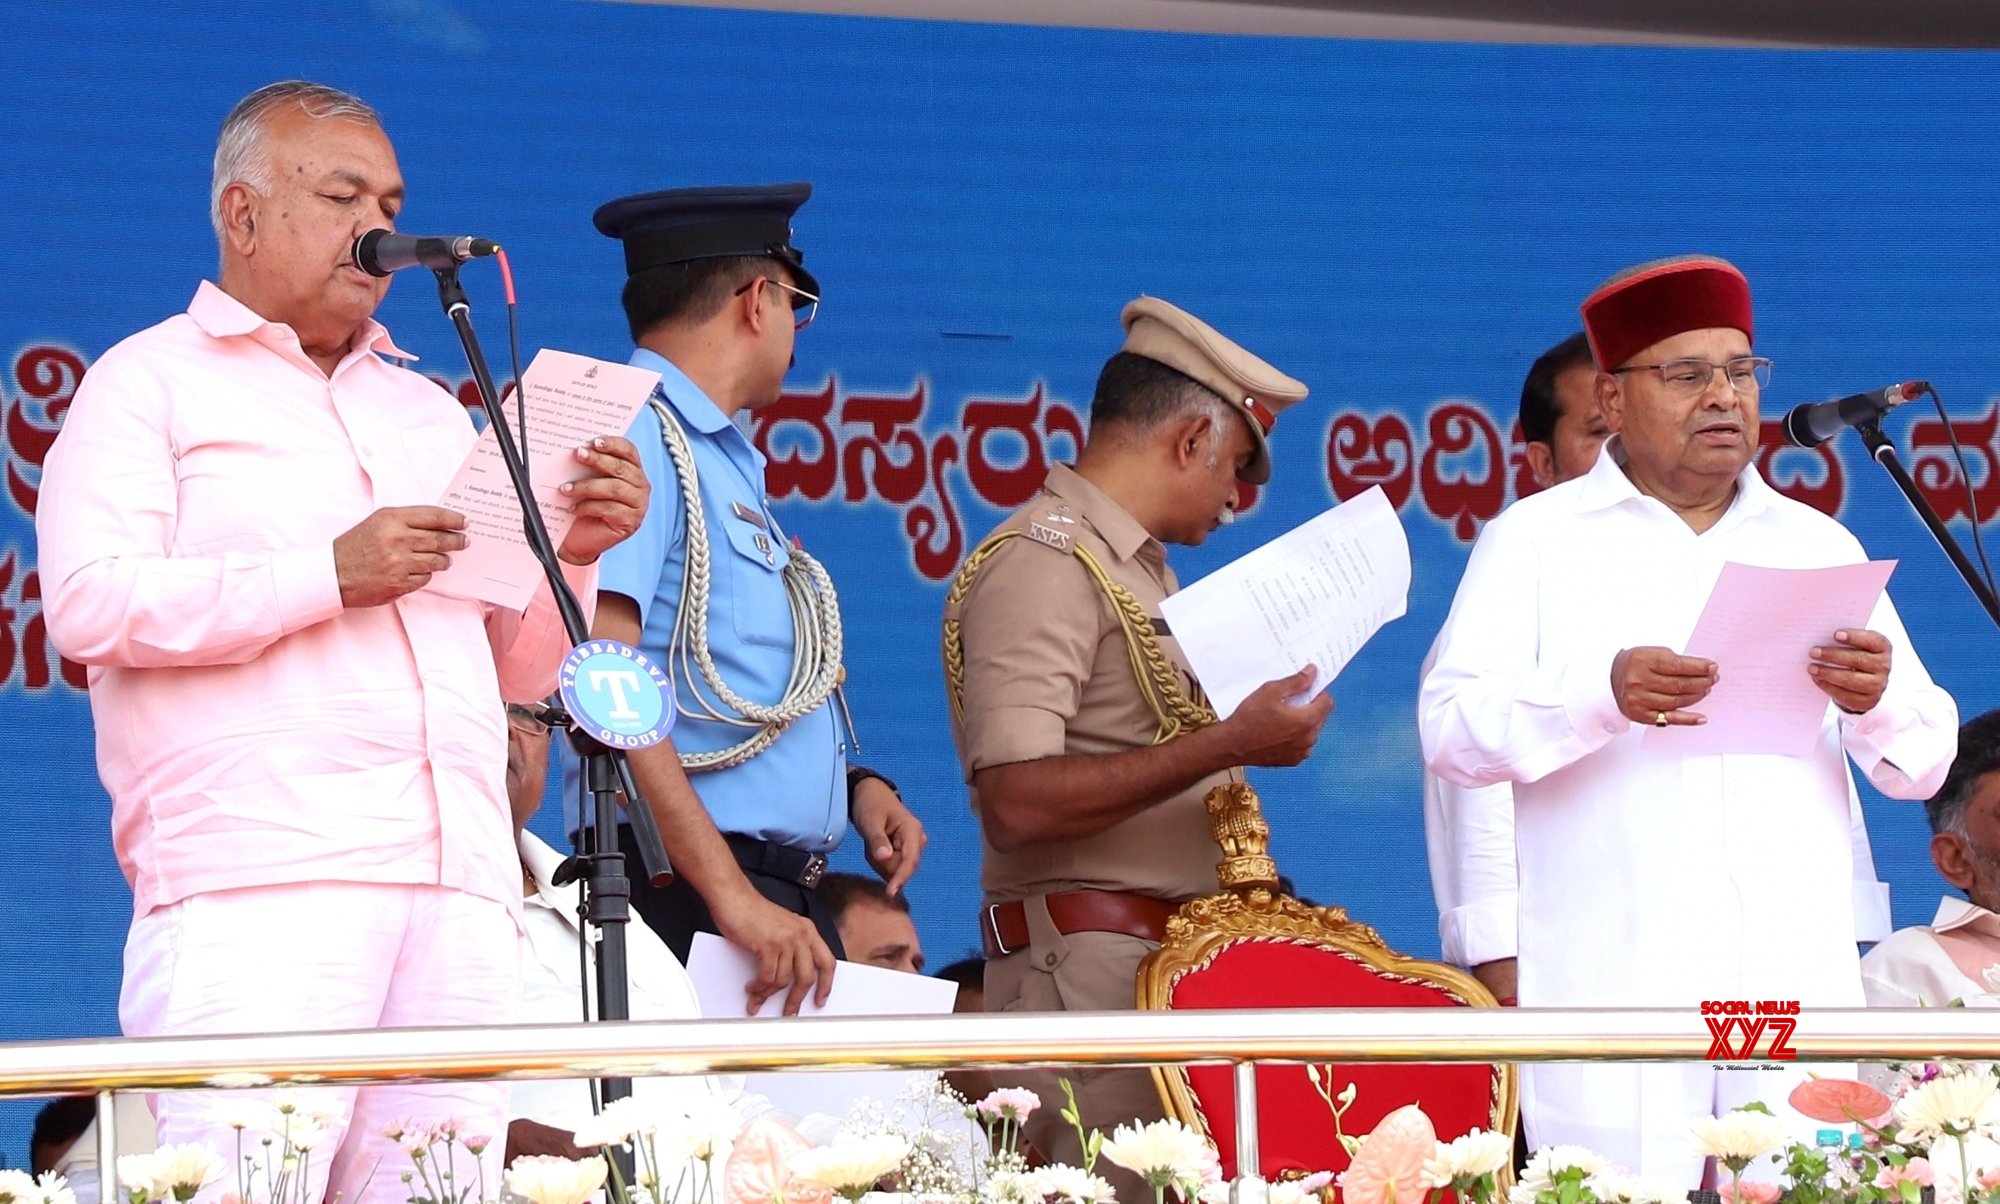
(857, 774)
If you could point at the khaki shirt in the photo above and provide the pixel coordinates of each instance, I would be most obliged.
(1048, 673)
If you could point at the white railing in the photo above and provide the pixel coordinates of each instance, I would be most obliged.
(1239, 1038)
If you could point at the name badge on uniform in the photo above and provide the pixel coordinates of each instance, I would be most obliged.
(749, 516)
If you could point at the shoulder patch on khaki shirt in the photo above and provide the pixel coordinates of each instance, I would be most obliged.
(1051, 528)
(1050, 536)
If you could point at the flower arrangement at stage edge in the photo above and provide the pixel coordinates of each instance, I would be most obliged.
(1470, 1165)
(851, 1168)
(1736, 1139)
(542, 1179)
(1950, 1105)
(1165, 1153)
(1561, 1174)
(1937, 1128)
(19, 1187)
(674, 1147)
(172, 1172)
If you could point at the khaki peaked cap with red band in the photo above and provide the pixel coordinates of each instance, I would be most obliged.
(1167, 334)
(1642, 305)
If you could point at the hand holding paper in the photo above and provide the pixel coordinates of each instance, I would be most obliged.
(607, 505)
(1281, 720)
(1763, 628)
(571, 400)
(1853, 670)
(1312, 596)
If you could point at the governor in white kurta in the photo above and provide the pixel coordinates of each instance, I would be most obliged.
(1649, 877)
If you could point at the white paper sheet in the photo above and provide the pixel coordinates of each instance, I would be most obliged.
(720, 969)
(1760, 626)
(1314, 595)
(571, 400)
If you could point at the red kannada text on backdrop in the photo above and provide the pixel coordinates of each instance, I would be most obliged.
(859, 446)
(1463, 473)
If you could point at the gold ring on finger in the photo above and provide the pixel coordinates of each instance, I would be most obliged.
(1660, 720)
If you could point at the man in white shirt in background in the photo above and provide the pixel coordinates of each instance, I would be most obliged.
(1649, 876)
(1957, 955)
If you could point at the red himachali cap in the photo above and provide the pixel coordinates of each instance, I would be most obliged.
(1642, 305)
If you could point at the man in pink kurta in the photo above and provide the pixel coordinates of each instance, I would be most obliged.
(304, 746)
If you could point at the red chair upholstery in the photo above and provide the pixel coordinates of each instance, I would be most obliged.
(1254, 948)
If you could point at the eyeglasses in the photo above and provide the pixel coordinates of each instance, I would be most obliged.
(1747, 374)
(531, 719)
(803, 302)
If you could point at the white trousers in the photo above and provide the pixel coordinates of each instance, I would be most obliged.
(326, 956)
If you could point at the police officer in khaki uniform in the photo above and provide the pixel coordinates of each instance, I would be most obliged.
(1087, 743)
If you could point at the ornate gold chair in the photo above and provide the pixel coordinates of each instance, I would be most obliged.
(1251, 946)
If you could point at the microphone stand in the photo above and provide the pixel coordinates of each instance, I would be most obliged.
(607, 891)
(1884, 452)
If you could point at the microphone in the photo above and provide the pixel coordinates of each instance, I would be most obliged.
(379, 252)
(1814, 423)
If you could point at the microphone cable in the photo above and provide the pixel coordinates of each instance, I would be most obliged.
(1965, 475)
(514, 352)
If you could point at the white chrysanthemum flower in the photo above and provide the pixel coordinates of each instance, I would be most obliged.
(1218, 1192)
(243, 1113)
(303, 1132)
(1550, 1161)
(54, 1188)
(322, 1107)
(1464, 1159)
(620, 1120)
(709, 1123)
(1982, 1155)
(541, 1179)
(182, 1170)
(1523, 1193)
(1737, 1137)
(850, 1167)
(1613, 1187)
(1010, 1187)
(18, 1187)
(1950, 1103)
(1072, 1184)
(1164, 1152)
(136, 1173)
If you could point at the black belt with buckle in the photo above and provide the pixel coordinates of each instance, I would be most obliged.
(777, 860)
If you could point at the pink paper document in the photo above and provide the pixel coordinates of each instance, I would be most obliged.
(1759, 627)
(571, 400)
(1314, 595)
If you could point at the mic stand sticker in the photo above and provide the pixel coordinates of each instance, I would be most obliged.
(616, 694)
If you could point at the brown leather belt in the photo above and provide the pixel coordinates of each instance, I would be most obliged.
(1003, 927)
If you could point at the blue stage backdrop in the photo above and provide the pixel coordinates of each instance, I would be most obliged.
(1405, 227)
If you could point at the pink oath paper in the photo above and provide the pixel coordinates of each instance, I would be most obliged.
(1759, 627)
(571, 400)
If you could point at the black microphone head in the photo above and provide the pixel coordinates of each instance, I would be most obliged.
(1799, 430)
(365, 256)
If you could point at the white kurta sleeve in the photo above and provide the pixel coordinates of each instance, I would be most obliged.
(1906, 743)
(1490, 710)
(1471, 837)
